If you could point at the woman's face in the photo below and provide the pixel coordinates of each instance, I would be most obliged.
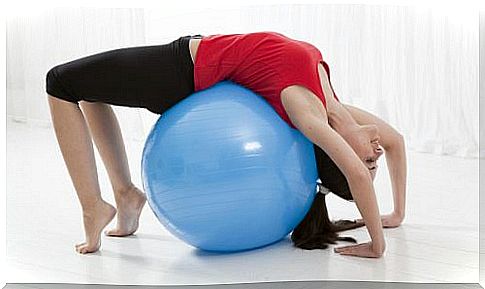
(365, 142)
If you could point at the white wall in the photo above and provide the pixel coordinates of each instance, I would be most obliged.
(38, 41)
(415, 68)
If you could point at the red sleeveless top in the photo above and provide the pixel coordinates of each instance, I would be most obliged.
(265, 62)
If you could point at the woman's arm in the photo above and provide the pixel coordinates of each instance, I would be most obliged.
(300, 107)
(393, 144)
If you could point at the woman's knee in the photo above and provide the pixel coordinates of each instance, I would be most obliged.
(57, 87)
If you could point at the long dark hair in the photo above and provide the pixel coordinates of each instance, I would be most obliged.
(316, 230)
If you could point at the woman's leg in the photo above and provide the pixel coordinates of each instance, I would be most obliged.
(153, 77)
(77, 150)
(107, 136)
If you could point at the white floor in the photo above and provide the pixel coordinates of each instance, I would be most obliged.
(438, 241)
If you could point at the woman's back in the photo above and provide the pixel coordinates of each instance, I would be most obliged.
(265, 62)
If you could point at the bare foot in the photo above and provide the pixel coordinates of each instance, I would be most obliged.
(129, 205)
(95, 219)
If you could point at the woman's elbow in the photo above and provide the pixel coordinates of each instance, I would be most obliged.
(400, 138)
(397, 141)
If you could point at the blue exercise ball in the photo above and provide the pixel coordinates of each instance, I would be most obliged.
(223, 172)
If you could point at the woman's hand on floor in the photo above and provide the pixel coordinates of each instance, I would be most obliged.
(392, 220)
(360, 250)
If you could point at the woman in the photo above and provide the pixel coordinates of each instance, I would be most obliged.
(289, 74)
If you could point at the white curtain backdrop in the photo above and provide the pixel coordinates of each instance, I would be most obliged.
(416, 68)
(38, 41)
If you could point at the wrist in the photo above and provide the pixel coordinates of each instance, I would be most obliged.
(399, 213)
(379, 247)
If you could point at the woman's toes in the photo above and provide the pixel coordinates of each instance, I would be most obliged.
(117, 233)
(81, 250)
(112, 232)
(84, 250)
(87, 249)
(80, 244)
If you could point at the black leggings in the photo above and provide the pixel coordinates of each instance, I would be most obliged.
(152, 77)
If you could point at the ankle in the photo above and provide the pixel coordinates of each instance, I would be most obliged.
(91, 206)
(123, 190)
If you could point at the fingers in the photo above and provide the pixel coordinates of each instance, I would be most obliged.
(360, 250)
(345, 250)
(361, 254)
(348, 248)
(339, 249)
(389, 224)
